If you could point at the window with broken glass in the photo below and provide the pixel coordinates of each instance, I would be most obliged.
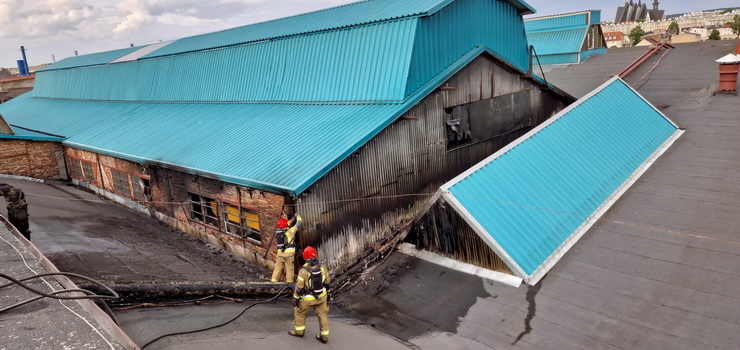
(203, 209)
(242, 222)
(120, 182)
(81, 169)
(142, 188)
(478, 121)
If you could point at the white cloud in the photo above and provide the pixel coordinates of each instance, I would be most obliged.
(61, 27)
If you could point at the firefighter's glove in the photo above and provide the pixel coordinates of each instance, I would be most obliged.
(296, 301)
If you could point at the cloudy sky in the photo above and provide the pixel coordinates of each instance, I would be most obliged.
(54, 29)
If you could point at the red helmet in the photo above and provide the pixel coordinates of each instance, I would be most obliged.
(283, 223)
(309, 253)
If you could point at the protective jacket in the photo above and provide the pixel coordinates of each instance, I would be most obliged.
(312, 282)
(286, 238)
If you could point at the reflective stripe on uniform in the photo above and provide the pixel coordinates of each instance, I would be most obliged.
(324, 332)
(289, 250)
(300, 328)
(300, 278)
(311, 297)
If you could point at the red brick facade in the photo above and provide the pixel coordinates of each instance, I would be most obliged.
(36, 159)
(170, 194)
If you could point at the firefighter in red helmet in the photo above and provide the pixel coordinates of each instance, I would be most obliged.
(285, 235)
(311, 292)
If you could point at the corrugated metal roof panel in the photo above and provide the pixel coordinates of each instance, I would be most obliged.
(556, 21)
(442, 38)
(275, 147)
(366, 63)
(90, 59)
(358, 13)
(529, 200)
(23, 134)
(558, 41)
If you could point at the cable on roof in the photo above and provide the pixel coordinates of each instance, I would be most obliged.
(218, 325)
(55, 294)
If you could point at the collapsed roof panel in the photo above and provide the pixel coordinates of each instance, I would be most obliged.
(533, 199)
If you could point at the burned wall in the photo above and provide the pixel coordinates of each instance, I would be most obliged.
(35, 159)
(379, 187)
(239, 219)
(443, 231)
(180, 194)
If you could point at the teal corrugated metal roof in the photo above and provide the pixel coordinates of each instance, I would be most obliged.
(558, 40)
(529, 200)
(365, 63)
(444, 37)
(357, 13)
(23, 134)
(276, 147)
(558, 21)
(354, 14)
(90, 59)
(239, 143)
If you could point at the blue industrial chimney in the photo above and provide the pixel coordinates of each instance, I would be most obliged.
(23, 64)
(22, 71)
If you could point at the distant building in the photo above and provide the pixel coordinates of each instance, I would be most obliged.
(633, 12)
(685, 38)
(565, 38)
(13, 87)
(614, 39)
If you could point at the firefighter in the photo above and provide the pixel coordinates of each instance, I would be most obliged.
(285, 234)
(311, 292)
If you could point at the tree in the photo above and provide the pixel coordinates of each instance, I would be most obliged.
(636, 35)
(675, 27)
(735, 24)
(714, 35)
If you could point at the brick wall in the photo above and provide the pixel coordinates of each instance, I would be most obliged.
(170, 193)
(169, 196)
(36, 159)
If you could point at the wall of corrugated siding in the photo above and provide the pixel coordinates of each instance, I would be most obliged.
(566, 58)
(577, 19)
(585, 54)
(456, 29)
(376, 188)
(556, 41)
(366, 63)
(595, 17)
(443, 231)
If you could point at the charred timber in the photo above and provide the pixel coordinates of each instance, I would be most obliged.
(140, 292)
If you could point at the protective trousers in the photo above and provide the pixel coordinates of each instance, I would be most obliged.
(284, 263)
(322, 310)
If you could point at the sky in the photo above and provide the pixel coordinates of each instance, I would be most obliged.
(54, 29)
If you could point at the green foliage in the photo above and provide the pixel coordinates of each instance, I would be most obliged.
(725, 11)
(735, 24)
(640, 21)
(675, 27)
(636, 34)
(714, 35)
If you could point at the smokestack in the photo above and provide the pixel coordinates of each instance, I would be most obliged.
(75, 52)
(25, 62)
(22, 70)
